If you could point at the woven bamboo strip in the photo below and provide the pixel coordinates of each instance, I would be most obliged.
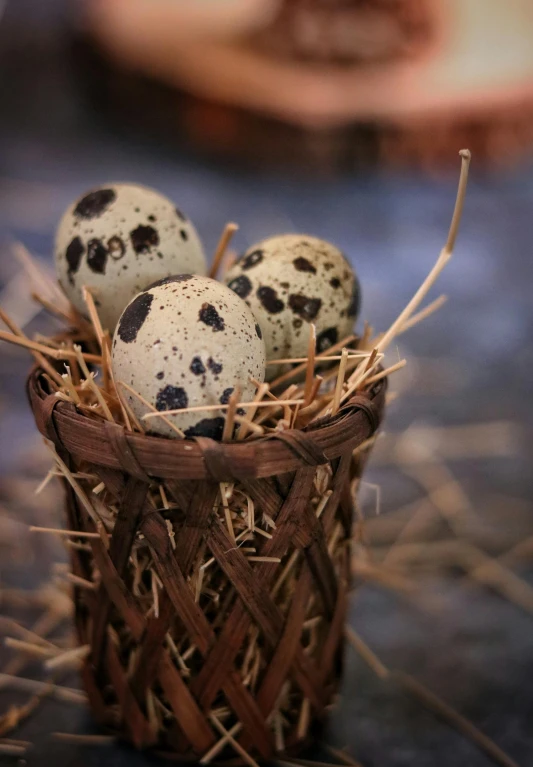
(222, 571)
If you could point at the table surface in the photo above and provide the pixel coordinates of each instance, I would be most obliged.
(469, 365)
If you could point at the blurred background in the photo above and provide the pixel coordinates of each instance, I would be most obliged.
(342, 119)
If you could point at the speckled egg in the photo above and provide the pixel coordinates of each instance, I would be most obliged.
(118, 239)
(183, 342)
(290, 281)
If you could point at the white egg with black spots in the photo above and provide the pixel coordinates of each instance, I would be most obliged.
(187, 341)
(118, 239)
(290, 281)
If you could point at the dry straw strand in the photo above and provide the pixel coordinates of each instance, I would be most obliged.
(423, 314)
(430, 701)
(452, 717)
(214, 408)
(340, 382)
(231, 740)
(444, 257)
(93, 314)
(54, 375)
(229, 423)
(38, 278)
(57, 354)
(89, 378)
(224, 241)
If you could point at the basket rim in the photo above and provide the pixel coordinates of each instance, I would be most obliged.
(104, 443)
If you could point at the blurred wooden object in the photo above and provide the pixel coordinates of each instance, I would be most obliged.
(418, 97)
(166, 40)
(347, 31)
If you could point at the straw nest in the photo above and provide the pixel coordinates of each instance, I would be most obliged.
(209, 604)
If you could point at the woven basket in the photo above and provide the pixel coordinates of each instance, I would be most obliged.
(302, 481)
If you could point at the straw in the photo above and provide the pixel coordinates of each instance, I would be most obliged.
(229, 423)
(444, 257)
(57, 354)
(225, 238)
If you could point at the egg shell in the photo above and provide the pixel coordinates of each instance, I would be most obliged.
(118, 239)
(290, 281)
(187, 341)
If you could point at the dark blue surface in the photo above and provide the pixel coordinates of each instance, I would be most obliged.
(479, 653)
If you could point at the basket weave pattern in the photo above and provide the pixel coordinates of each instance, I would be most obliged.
(242, 637)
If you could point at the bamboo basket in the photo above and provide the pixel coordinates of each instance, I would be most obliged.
(197, 644)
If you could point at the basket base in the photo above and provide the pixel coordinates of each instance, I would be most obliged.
(311, 748)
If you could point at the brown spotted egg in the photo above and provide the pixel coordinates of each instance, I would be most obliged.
(118, 239)
(187, 341)
(290, 281)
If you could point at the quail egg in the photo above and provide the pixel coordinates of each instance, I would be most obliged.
(118, 239)
(187, 341)
(290, 281)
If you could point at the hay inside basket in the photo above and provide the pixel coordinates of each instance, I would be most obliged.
(211, 579)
